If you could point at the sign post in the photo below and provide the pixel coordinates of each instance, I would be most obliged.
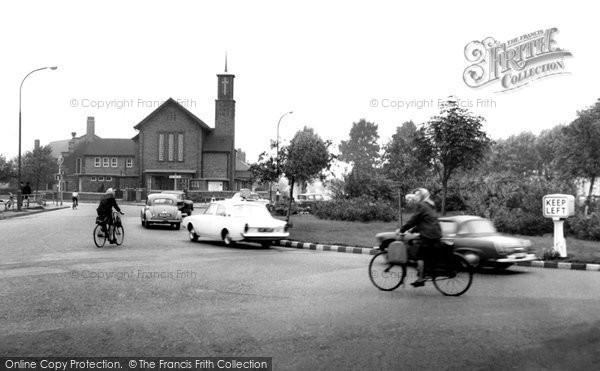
(61, 159)
(559, 207)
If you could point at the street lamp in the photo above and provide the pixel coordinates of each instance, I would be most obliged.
(19, 195)
(277, 144)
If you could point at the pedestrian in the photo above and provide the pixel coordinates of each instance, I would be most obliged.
(26, 192)
(75, 197)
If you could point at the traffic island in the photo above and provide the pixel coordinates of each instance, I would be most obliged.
(373, 251)
(8, 214)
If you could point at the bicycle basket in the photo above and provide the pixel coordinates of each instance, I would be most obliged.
(117, 220)
(396, 253)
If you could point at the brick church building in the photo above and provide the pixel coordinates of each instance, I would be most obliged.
(173, 149)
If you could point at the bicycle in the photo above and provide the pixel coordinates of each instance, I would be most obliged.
(450, 272)
(114, 230)
(10, 203)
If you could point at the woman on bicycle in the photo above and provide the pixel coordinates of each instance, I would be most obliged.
(425, 222)
(107, 203)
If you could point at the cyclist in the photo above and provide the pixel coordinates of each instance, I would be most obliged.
(425, 222)
(107, 202)
(75, 199)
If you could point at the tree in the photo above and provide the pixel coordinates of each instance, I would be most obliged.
(265, 170)
(361, 149)
(39, 166)
(518, 155)
(548, 144)
(451, 141)
(305, 159)
(7, 169)
(579, 154)
(400, 162)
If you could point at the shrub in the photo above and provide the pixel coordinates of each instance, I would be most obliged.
(361, 209)
(517, 221)
(585, 227)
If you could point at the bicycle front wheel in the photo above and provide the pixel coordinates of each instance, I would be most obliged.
(456, 277)
(99, 241)
(384, 275)
(119, 234)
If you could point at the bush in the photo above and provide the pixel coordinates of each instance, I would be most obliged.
(363, 209)
(585, 227)
(517, 221)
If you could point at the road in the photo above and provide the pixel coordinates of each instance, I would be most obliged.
(161, 295)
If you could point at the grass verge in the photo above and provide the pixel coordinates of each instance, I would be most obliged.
(308, 228)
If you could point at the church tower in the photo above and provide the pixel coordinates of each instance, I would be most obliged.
(225, 120)
(225, 105)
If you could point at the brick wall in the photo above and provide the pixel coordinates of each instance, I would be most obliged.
(171, 119)
(215, 165)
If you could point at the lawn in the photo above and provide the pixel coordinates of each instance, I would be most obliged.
(307, 228)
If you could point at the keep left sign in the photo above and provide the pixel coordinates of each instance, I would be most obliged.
(558, 206)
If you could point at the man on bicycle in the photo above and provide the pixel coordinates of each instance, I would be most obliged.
(425, 222)
(107, 202)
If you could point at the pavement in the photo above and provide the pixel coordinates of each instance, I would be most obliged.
(315, 246)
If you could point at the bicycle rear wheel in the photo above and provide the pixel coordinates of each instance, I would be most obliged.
(119, 234)
(384, 275)
(99, 241)
(455, 277)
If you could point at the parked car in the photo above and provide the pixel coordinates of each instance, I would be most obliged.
(307, 201)
(161, 208)
(185, 206)
(236, 220)
(246, 194)
(478, 240)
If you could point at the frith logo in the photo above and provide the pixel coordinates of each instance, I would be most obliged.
(514, 63)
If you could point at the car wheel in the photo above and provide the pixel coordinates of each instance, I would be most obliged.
(192, 233)
(144, 223)
(177, 225)
(266, 244)
(502, 266)
(226, 238)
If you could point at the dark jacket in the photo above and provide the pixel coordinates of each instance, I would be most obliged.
(425, 222)
(107, 202)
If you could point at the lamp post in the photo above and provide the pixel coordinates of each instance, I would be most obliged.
(277, 144)
(19, 194)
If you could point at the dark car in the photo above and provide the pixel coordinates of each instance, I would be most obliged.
(185, 206)
(476, 238)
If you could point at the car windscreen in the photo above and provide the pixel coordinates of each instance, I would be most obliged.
(162, 201)
(251, 211)
(477, 227)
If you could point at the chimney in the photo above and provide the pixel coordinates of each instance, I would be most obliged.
(91, 128)
(36, 144)
(72, 141)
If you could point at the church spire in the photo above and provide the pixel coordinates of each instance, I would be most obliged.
(225, 62)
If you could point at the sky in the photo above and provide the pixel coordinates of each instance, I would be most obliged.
(331, 63)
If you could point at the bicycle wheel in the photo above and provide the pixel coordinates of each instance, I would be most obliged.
(455, 277)
(386, 276)
(99, 241)
(119, 234)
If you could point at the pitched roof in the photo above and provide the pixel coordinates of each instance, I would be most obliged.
(111, 146)
(168, 102)
(217, 143)
(58, 147)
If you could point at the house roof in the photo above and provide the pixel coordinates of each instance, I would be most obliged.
(109, 146)
(169, 102)
(217, 143)
(58, 147)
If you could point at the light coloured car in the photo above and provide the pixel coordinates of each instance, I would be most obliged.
(161, 208)
(233, 221)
